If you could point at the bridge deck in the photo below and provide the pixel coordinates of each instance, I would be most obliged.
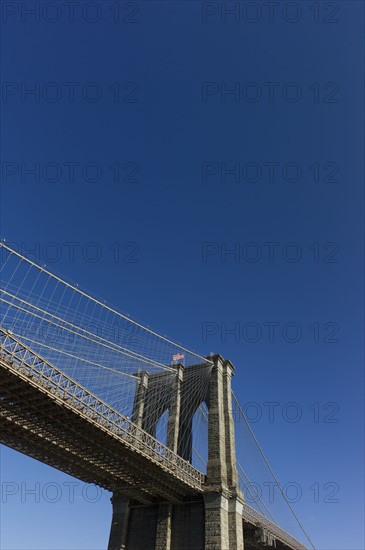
(50, 417)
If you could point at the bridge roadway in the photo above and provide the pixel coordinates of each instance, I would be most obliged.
(50, 417)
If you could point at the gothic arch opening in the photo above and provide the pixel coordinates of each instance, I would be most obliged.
(200, 438)
(162, 427)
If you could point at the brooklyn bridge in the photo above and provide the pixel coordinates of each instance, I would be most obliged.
(91, 392)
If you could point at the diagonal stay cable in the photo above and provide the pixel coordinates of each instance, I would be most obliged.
(250, 484)
(79, 332)
(74, 356)
(272, 472)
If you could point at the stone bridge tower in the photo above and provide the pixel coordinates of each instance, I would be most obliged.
(212, 521)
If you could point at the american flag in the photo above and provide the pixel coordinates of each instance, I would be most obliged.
(178, 356)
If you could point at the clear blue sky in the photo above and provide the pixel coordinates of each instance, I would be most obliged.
(299, 104)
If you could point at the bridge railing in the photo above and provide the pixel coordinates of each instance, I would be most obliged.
(252, 516)
(27, 362)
